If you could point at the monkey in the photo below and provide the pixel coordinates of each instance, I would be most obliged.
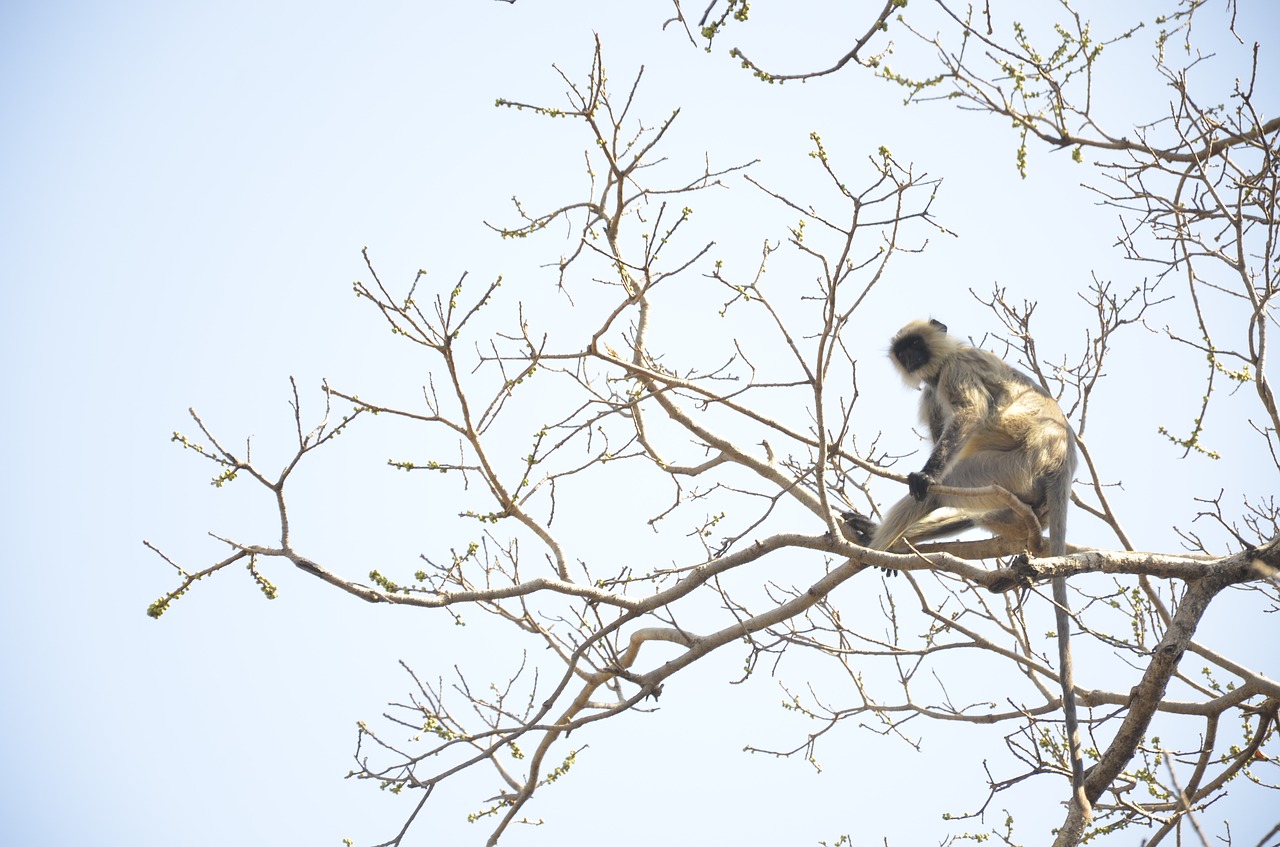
(990, 425)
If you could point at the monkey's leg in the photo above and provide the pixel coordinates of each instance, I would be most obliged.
(907, 516)
(941, 522)
(901, 517)
(1010, 526)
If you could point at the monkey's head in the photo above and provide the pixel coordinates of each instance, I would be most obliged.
(919, 349)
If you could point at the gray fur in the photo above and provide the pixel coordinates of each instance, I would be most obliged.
(990, 424)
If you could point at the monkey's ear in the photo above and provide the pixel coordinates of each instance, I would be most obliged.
(938, 325)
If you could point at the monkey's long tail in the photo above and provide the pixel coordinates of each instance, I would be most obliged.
(1066, 670)
(1067, 675)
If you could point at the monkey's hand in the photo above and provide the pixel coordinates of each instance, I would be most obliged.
(919, 483)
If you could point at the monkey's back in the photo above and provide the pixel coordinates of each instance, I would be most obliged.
(1012, 412)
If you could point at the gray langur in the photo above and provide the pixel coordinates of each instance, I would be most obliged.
(990, 425)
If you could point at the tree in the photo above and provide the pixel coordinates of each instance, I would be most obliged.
(735, 450)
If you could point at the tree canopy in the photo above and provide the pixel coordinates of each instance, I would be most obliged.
(638, 459)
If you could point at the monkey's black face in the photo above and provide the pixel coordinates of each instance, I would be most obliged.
(911, 352)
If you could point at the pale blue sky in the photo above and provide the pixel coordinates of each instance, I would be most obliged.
(187, 188)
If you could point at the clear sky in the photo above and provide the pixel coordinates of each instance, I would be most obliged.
(186, 191)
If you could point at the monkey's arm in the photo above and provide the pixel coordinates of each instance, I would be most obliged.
(970, 404)
(931, 413)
